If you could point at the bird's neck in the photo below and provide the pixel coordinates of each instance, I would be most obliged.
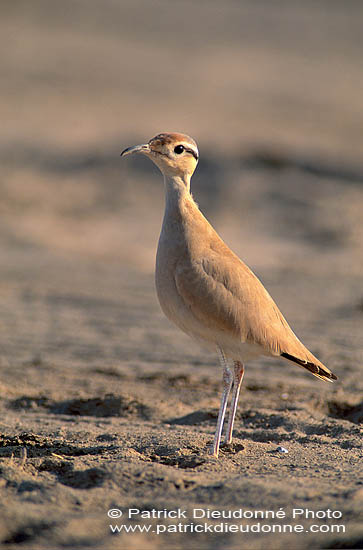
(177, 192)
(182, 217)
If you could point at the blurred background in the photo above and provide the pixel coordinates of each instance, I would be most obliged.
(272, 93)
(103, 401)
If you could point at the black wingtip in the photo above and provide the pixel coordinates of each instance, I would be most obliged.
(312, 367)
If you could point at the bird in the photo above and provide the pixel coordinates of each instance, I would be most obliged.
(207, 291)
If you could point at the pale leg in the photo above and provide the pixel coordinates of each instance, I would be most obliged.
(227, 383)
(237, 381)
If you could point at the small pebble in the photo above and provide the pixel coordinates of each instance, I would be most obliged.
(284, 396)
(282, 450)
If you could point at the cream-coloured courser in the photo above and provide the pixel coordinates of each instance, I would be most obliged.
(206, 290)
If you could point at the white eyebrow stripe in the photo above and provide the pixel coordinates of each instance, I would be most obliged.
(191, 149)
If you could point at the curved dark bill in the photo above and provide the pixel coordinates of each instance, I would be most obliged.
(144, 148)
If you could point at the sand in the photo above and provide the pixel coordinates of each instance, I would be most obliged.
(104, 404)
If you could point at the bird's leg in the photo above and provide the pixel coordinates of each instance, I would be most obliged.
(237, 381)
(227, 383)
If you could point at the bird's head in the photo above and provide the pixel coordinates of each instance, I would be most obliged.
(174, 154)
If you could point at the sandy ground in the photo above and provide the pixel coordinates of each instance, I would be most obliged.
(104, 404)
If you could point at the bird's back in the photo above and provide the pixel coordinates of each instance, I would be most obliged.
(206, 290)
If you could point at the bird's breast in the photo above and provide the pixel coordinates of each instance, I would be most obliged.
(169, 254)
(166, 261)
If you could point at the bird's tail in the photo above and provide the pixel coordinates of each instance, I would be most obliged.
(318, 370)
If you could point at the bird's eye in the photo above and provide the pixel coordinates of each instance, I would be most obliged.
(179, 149)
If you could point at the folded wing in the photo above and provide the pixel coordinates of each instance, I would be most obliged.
(223, 294)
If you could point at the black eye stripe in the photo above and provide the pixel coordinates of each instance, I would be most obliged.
(192, 152)
(179, 149)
